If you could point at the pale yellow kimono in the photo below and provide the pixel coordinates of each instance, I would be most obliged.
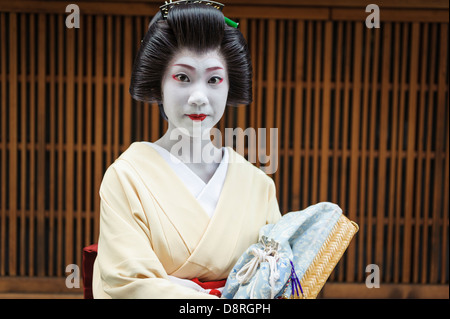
(151, 226)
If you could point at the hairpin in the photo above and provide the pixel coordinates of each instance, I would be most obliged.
(165, 8)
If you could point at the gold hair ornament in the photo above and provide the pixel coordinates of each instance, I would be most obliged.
(165, 8)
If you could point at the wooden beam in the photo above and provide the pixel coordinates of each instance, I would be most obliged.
(391, 15)
(420, 11)
(418, 4)
(56, 286)
(394, 291)
(53, 285)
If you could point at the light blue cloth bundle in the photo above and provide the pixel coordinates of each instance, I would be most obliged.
(265, 269)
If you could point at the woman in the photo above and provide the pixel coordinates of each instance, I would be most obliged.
(180, 209)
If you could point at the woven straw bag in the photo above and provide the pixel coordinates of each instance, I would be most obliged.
(329, 255)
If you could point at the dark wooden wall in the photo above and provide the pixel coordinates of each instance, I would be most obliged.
(362, 118)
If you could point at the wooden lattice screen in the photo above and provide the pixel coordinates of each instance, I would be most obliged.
(362, 118)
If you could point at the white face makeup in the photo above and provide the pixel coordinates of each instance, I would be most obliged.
(195, 89)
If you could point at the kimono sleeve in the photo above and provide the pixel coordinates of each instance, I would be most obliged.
(127, 265)
(273, 210)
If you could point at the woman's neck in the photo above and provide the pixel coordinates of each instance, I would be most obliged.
(197, 149)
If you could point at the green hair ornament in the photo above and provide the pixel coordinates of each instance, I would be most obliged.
(219, 6)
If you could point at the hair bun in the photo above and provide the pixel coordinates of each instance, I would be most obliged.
(189, 20)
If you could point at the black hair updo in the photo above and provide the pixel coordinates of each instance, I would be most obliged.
(198, 28)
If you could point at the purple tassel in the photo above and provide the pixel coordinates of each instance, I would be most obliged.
(295, 284)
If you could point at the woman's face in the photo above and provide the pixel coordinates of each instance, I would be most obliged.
(195, 90)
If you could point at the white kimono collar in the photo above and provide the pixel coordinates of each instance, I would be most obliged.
(207, 194)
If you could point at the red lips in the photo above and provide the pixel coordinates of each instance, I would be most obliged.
(197, 117)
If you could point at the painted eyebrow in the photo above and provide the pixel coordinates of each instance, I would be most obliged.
(192, 68)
